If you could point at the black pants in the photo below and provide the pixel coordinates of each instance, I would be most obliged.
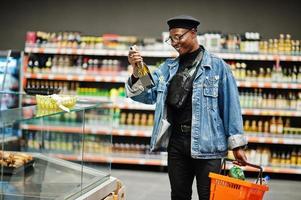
(182, 169)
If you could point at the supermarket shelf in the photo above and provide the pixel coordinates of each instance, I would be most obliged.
(252, 84)
(258, 56)
(158, 53)
(160, 161)
(101, 130)
(273, 139)
(154, 160)
(113, 77)
(133, 131)
(279, 170)
(121, 77)
(98, 52)
(268, 112)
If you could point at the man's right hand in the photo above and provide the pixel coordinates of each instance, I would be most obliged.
(135, 59)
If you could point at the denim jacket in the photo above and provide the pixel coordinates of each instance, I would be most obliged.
(216, 115)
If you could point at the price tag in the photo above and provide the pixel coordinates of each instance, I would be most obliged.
(261, 84)
(275, 141)
(274, 85)
(98, 78)
(63, 51)
(256, 112)
(261, 140)
(81, 78)
(79, 51)
(121, 132)
(141, 161)
(270, 57)
(69, 51)
(248, 84)
(39, 76)
(94, 130)
(51, 76)
(69, 77)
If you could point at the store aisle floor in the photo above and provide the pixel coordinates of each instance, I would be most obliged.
(141, 185)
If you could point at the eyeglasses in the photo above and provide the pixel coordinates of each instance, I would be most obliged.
(176, 38)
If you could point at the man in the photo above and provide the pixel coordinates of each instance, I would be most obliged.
(205, 120)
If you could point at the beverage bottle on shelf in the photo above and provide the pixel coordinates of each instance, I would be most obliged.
(288, 159)
(247, 126)
(292, 101)
(299, 101)
(294, 74)
(286, 126)
(129, 119)
(270, 45)
(136, 119)
(243, 71)
(279, 126)
(274, 158)
(36, 65)
(265, 157)
(254, 126)
(299, 158)
(150, 120)
(266, 128)
(48, 64)
(143, 120)
(85, 63)
(283, 159)
(273, 126)
(275, 46)
(281, 43)
(294, 158)
(260, 126)
(116, 117)
(288, 44)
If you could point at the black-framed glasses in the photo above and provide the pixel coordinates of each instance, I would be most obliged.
(176, 38)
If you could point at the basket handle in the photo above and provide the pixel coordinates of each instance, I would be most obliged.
(248, 164)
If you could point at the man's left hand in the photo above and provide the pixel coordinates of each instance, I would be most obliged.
(240, 156)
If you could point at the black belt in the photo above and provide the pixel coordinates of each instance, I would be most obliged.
(183, 128)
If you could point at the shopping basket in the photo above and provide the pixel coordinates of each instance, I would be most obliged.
(227, 188)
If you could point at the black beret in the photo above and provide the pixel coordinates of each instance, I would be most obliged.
(183, 21)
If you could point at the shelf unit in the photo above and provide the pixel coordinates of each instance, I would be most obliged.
(124, 159)
(120, 77)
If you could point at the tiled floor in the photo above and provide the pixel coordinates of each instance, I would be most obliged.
(141, 185)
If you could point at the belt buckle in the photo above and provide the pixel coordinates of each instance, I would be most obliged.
(185, 128)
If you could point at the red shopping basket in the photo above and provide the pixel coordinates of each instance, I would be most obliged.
(228, 188)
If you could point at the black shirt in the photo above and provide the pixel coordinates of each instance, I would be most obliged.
(184, 114)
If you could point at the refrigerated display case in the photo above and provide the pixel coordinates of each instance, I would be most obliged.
(10, 65)
(35, 171)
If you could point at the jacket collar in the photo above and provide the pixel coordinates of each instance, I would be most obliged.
(206, 61)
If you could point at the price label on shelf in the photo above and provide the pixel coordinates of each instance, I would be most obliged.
(247, 84)
(81, 78)
(275, 140)
(69, 51)
(79, 51)
(271, 57)
(261, 140)
(274, 85)
(141, 161)
(51, 76)
(256, 112)
(69, 77)
(98, 78)
(39, 76)
(261, 84)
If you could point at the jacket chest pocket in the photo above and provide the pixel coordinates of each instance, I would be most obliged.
(211, 91)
